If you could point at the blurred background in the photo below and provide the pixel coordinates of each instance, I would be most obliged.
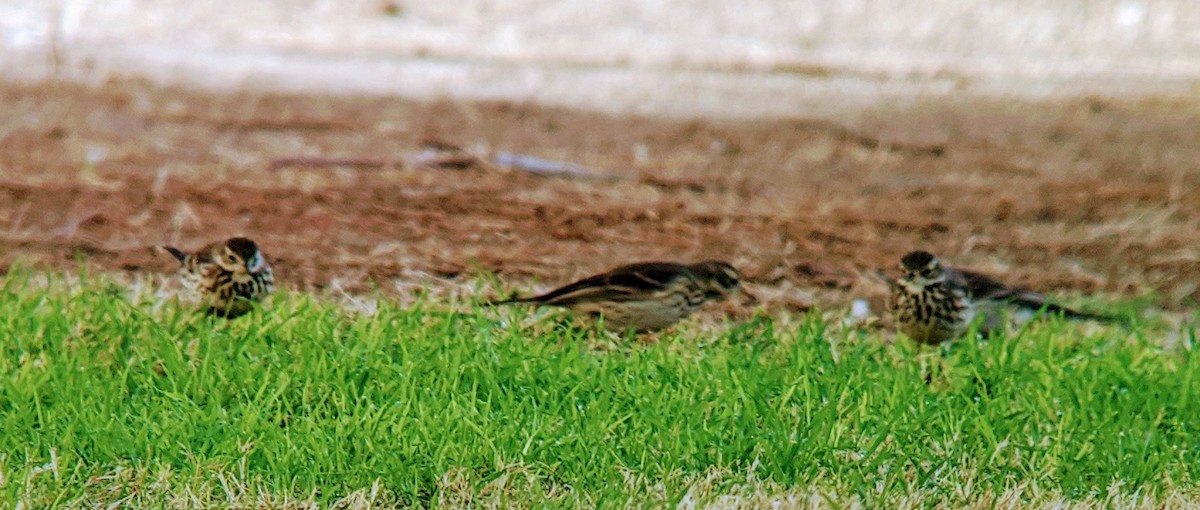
(398, 144)
(679, 57)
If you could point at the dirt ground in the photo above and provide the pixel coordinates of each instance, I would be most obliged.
(1091, 195)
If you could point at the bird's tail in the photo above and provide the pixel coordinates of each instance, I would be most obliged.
(179, 255)
(1033, 301)
(1078, 315)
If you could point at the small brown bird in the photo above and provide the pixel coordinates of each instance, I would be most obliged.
(646, 296)
(933, 303)
(226, 277)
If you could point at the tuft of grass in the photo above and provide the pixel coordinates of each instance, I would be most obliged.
(107, 399)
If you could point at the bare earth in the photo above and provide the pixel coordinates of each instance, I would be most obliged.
(1090, 195)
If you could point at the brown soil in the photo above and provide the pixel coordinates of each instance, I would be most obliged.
(1085, 196)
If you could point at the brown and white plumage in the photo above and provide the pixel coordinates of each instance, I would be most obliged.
(646, 296)
(226, 277)
(932, 303)
(926, 304)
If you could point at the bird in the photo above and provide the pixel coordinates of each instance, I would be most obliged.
(932, 303)
(226, 277)
(645, 296)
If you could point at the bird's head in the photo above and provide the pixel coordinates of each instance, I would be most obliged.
(717, 278)
(922, 268)
(239, 255)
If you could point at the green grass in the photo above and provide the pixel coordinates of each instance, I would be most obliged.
(103, 401)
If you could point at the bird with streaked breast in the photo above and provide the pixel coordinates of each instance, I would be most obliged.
(934, 303)
(227, 277)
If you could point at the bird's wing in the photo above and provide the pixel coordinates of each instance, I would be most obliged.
(981, 287)
(626, 283)
(1023, 298)
(205, 255)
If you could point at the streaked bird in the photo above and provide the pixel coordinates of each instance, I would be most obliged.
(933, 303)
(644, 297)
(226, 277)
